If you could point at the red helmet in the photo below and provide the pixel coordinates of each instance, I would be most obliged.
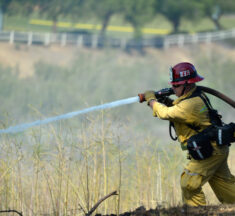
(184, 72)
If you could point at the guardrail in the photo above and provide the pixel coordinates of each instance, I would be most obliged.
(95, 41)
(207, 37)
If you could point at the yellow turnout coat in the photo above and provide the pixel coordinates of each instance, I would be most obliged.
(214, 169)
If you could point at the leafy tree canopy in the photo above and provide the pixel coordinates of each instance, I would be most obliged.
(174, 11)
(103, 10)
(139, 13)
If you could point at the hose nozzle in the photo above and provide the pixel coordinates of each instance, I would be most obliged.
(159, 94)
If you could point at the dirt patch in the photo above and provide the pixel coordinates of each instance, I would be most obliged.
(220, 210)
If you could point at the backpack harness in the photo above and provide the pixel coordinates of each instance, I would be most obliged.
(199, 145)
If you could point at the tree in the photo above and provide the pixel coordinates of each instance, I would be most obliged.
(138, 13)
(174, 11)
(227, 6)
(12, 7)
(214, 9)
(54, 9)
(4, 4)
(24, 7)
(104, 10)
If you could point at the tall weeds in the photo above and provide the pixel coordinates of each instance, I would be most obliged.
(65, 171)
(65, 168)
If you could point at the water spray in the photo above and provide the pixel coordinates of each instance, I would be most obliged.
(140, 98)
(22, 127)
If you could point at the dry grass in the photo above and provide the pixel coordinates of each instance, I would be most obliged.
(24, 57)
(65, 171)
(65, 168)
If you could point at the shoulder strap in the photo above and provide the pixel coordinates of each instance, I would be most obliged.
(215, 118)
(171, 125)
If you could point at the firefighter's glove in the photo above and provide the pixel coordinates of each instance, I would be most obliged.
(149, 95)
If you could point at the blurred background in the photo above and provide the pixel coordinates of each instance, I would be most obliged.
(60, 56)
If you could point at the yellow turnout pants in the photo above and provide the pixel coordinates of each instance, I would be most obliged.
(213, 170)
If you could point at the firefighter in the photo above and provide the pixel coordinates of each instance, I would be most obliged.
(189, 114)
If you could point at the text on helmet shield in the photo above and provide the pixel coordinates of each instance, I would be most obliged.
(184, 73)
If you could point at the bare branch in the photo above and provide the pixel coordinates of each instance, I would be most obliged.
(81, 208)
(100, 201)
(4, 211)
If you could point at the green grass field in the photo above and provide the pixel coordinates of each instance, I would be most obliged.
(20, 23)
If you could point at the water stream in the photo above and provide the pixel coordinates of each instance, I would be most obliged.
(25, 126)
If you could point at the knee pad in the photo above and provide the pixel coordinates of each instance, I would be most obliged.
(190, 181)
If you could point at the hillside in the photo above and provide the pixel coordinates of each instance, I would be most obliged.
(82, 159)
(59, 79)
(24, 57)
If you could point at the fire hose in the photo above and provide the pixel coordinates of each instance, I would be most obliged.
(219, 95)
(140, 98)
(169, 91)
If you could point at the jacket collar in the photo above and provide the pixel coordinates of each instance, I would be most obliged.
(184, 96)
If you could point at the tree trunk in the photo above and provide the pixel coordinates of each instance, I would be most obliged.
(105, 23)
(217, 24)
(1, 20)
(176, 24)
(54, 26)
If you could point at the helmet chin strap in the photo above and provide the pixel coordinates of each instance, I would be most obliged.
(185, 85)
